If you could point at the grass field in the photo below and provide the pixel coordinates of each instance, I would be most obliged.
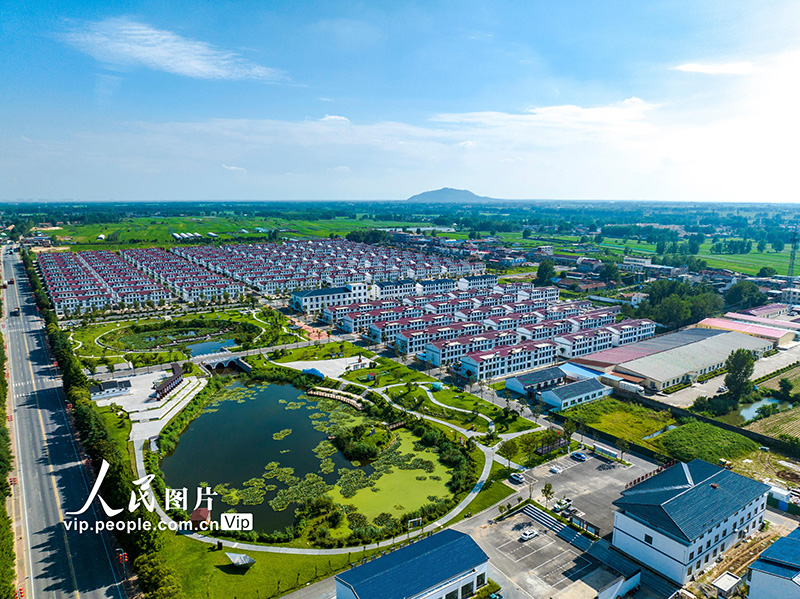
(629, 421)
(400, 491)
(704, 441)
(203, 572)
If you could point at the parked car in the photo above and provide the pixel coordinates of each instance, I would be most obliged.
(563, 504)
(722, 389)
(516, 477)
(556, 469)
(528, 534)
(579, 455)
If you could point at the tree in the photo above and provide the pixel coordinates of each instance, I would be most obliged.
(545, 272)
(661, 247)
(508, 449)
(527, 444)
(526, 233)
(744, 294)
(581, 430)
(778, 245)
(624, 447)
(569, 427)
(762, 245)
(739, 366)
(784, 390)
(609, 272)
(547, 493)
(766, 271)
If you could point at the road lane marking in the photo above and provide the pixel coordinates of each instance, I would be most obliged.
(49, 463)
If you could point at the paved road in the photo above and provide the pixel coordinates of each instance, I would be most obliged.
(51, 562)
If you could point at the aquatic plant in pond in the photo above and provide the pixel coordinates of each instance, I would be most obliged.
(262, 454)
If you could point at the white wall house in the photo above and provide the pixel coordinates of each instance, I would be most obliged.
(678, 521)
(314, 300)
(447, 565)
(576, 393)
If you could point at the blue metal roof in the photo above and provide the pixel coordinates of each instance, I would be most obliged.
(577, 389)
(540, 376)
(580, 372)
(415, 568)
(782, 558)
(686, 500)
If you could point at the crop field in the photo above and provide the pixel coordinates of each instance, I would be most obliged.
(143, 231)
(629, 421)
(782, 423)
(792, 375)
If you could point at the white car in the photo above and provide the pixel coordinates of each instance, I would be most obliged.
(528, 534)
(556, 469)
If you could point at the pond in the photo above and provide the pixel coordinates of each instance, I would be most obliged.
(749, 411)
(210, 347)
(234, 440)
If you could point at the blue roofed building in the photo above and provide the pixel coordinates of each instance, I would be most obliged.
(776, 572)
(447, 565)
(679, 520)
(573, 394)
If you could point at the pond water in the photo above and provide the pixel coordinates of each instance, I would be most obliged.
(749, 411)
(233, 441)
(660, 431)
(210, 347)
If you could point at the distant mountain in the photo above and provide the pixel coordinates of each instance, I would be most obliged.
(448, 195)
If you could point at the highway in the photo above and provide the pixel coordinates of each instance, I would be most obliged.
(51, 561)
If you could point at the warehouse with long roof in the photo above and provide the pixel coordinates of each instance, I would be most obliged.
(671, 359)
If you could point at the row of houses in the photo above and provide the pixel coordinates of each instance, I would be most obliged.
(183, 278)
(83, 281)
(427, 292)
(298, 265)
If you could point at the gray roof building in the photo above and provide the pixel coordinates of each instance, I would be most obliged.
(686, 500)
(414, 569)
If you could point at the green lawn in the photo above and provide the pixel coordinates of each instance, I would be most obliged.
(400, 491)
(390, 373)
(323, 352)
(418, 400)
(626, 420)
(203, 572)
(493, 491)
(467, 401)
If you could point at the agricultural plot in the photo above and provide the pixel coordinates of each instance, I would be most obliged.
(782, 423)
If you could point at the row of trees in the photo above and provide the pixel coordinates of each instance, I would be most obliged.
(99, 444)
(7, 557)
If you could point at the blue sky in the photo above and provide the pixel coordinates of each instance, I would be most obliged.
(377, 100)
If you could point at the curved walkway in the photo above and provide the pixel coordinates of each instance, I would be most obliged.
(488, 452)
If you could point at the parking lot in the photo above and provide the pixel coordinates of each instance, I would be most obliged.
(542, 567)
(592, 485)
(547, 566)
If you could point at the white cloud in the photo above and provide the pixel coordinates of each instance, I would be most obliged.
(724, 68)
(237, 169)
(725, 139)
(122, 42)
